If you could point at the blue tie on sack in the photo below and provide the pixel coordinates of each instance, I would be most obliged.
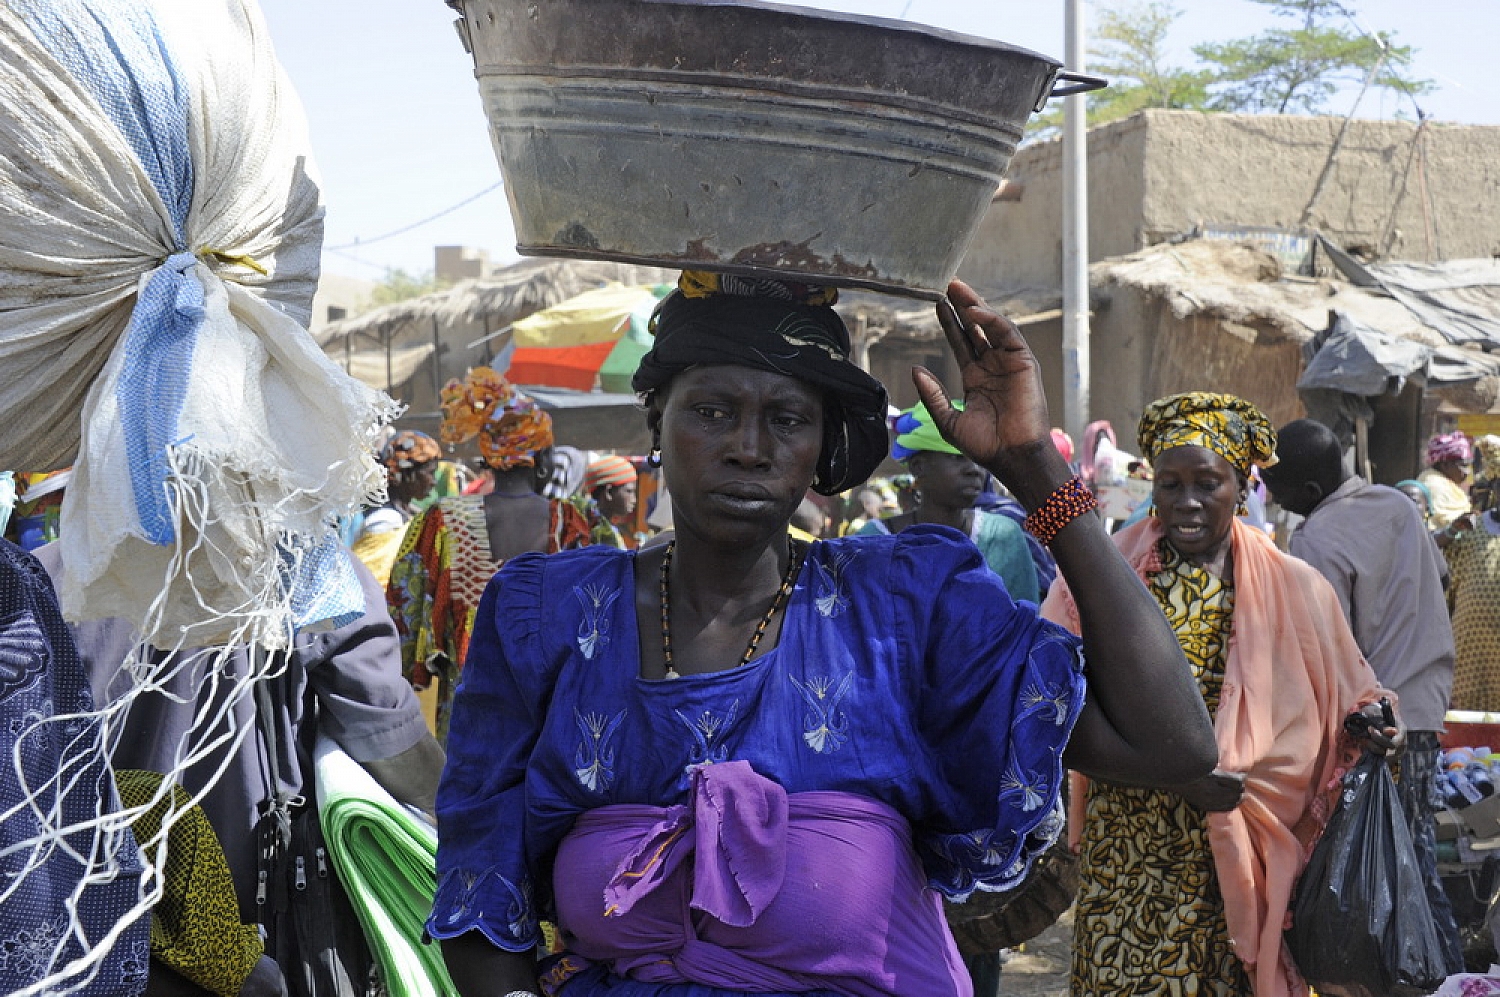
(152, 389)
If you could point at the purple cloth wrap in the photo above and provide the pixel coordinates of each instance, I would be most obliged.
(739, 823)
(746, 887)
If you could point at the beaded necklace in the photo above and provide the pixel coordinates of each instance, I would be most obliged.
(794, 563)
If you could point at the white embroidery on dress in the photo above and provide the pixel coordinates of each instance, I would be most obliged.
(459, 901)
(984, 847)
(23, 652)
(1028, 786)
(825, 727)
(593, 629)
(519, 915)
(708, 729)
(29, 950)
(594, 761)
(1053, 699)
(830, 599)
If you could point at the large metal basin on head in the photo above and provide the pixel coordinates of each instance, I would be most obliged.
(749, 137)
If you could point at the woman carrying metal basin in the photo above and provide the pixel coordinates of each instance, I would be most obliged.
(742, 764)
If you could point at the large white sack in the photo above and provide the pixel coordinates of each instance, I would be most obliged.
(108, 107)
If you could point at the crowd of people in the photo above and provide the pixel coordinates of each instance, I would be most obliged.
(757, 751)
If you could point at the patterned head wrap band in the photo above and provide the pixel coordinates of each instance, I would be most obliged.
(606, 471)
(510, 426)
(1229, 426)
(785, 328)
(917, 432)
(407, 450)
(1449, 446)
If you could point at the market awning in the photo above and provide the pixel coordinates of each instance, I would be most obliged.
(600, 335)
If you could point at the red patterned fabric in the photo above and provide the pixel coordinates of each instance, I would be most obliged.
(437, 580)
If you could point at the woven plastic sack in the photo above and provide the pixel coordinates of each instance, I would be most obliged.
(1361, 924)
(157, 265)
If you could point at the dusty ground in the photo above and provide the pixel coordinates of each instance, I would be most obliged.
(1040, 968)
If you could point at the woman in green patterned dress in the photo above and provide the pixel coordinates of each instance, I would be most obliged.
(1184, 891)
(1472, 545)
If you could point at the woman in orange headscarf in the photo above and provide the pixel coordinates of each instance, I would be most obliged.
(451, 551)
(1185, 891)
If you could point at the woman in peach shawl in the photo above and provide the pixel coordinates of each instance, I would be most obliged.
(1186, 891)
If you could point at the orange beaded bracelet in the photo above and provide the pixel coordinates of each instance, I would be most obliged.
(1071, 500)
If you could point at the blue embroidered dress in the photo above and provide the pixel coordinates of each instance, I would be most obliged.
(904, 674)
(58, 898)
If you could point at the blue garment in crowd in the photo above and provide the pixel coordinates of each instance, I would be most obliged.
(1041, 558)
(904, 673)
(44, 706)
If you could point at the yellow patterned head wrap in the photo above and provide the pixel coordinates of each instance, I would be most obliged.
(1487, 448)
(705, 283)
(510, 425)
(1229, 426)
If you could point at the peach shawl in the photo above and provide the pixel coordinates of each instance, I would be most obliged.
(1292, 673)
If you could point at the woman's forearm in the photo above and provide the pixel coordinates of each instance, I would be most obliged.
(481, 969)
(1145, 722)
(1149, 725)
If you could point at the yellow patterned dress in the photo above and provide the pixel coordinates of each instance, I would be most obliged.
(1149, 917)
(1474, 589)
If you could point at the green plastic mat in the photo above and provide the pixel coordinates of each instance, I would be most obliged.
(387, 859)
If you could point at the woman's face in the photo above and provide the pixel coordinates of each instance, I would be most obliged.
(1456, 471)
(616, 501)
(950, 480)
(739, 448)
(1196, 492)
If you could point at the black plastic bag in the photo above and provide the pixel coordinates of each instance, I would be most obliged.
(1361, 923)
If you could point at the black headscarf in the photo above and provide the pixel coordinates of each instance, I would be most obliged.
(786, 329)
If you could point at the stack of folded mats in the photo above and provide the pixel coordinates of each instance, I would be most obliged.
(387, 858)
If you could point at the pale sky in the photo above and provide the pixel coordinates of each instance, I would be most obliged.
(399, 135)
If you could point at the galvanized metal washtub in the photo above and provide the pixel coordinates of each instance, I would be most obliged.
(748, 137)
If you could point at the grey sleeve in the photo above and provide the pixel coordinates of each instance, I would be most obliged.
(355, 670)
(1325, 558)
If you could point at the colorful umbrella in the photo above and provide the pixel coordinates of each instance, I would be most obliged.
(600, 335)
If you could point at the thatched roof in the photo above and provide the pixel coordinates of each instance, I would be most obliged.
(1243, 286)
(511, 293)
(531, 285)
(1245, 291)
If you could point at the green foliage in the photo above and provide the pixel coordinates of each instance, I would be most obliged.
(398, 285)
(1129, 48)
(1284, 71)
(1300, 69)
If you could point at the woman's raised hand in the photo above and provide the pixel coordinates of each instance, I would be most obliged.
(1004, 420)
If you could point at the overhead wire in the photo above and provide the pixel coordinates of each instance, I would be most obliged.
(357, 243)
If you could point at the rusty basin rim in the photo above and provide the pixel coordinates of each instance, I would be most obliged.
(684, 262)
